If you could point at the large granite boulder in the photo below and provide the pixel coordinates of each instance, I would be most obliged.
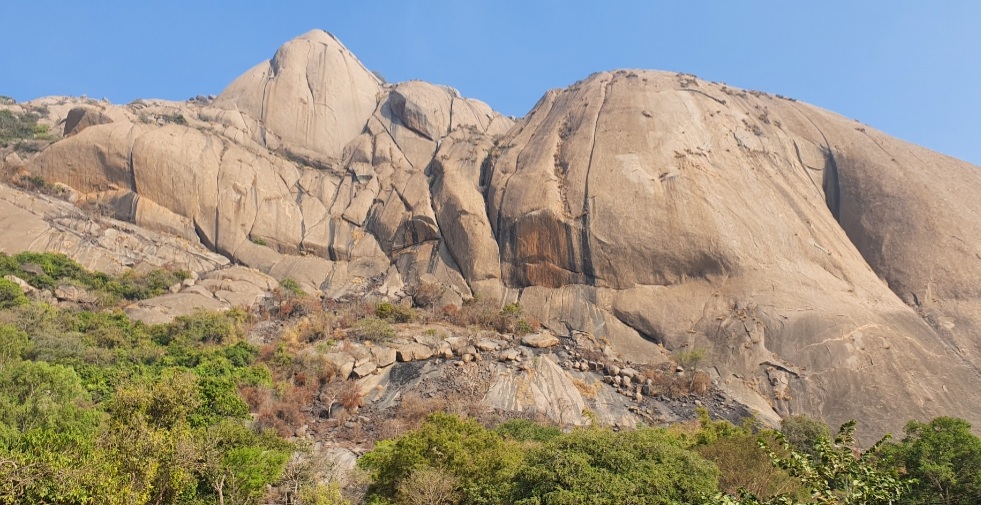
(782, 238)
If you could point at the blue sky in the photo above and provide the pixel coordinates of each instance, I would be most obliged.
(910, 68)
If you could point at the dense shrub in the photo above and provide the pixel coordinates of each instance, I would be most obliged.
(481, 461)
(803, 432)
(292, 287)
(45, 270)
(11, 294)
(943, 459)
(524, 430)
(373, 329)
(95, 408)
(14, 344)
(394, 313)
(136, 286)
(599, 466)
(204, 327)
(15, 127)
(483, 312)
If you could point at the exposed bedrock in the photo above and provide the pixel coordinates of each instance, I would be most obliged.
(827, 268)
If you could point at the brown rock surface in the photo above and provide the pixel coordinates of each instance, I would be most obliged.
(540, 340)
(81, 118)
(413, 352)
(545, 389)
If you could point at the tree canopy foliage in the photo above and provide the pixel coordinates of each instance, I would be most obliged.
(97, 408)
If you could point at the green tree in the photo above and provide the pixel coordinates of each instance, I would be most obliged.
(600, 466)
(40, 397)
(149, 436)
(481, 461)
(803, 432)
(14, 344)
(943, 457)
(236, 463)
(47, 429)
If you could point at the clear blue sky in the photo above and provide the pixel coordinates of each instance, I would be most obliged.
(910, 68)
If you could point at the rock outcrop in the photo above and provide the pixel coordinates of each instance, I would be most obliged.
(826, 268)
(40, 223)
(758, 228)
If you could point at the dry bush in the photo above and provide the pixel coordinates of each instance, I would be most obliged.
(534, 324)
(465, 407)
(317, 326)
(486, 313)
(281, 417)
(700, 383)
(430, 486)
(467, 382)
(427, 316)
(345, 393)
(390, 428)
(255, 396)
(426, 294)
(475, 312)
(413, 408)
(587, 390)
(670, 384)
(350, 395)
(348, 314)
(594, 354)
(452, 313)
(676, 386)
(273, 410)
(661, 380)
(287, 304)
(311, 368)
(744, 465)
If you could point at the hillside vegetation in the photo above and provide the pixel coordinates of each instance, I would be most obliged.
(96, 408)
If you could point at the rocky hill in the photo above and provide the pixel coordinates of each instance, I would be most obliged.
(824, 267)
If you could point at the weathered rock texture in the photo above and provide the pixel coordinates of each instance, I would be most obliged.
(827, 268)
(783, 238)
(41, 223)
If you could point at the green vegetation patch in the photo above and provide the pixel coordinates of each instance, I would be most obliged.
(48, 270)
(16, 127)
(97, 408)
(291, 286)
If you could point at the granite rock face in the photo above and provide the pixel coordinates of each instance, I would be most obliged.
(826, 268)
(342, 204)
(313, 96)
(780, 237)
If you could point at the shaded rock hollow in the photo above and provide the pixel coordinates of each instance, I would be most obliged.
(827, 268)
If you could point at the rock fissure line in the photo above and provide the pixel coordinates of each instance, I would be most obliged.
(587, 256)
(700, 92)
